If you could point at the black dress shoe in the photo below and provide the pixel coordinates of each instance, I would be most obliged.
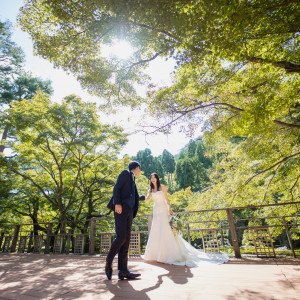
(108, 270)
(127, 274)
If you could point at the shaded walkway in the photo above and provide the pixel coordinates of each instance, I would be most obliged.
(39, 276)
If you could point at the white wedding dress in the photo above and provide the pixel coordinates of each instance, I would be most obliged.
(163, 246)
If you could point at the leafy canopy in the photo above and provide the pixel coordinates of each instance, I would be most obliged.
(71, 34)
(238, 65)
(64, 152)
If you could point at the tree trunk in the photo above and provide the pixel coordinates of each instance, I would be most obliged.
(63, 223)
(3, 139)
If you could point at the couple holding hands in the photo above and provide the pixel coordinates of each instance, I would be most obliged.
(162, 245)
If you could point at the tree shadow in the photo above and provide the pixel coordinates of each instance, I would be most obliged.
(72, 276)
(82, 276)
(48, 276)
(264, 261)
(248, 294)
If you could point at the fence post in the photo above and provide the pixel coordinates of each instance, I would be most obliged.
(48, 238)
(15, 239)
(188, 232)
(92, 237)
(288, 236)
(233, 233)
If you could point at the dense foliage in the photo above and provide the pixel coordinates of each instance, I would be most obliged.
(237, 76)
(15, 83)
(150, 164)
(237, 64)
(63, 159)
(11, 55)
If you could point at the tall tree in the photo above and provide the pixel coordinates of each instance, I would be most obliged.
(11, 55)
(185, 172)
(11, 59)
(201, 156)
(190, 172)
(24, 86)
(191, 150)
(56, 143)
(192, 166)
(150, 164)
(168, 163)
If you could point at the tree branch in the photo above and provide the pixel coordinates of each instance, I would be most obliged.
(232, 107)
(266, 191)
(156, 30)
(33, 182)
(295, 183)
(287, 65)
(271, 167)
(288, 125)
(142, 61)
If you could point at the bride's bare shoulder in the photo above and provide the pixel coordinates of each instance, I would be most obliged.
(163, 187)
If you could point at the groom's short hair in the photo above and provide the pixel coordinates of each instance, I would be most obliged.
(133, 164)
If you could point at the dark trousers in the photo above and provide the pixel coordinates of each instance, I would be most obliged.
(120, 245)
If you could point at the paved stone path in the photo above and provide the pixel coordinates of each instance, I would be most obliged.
(38, 276)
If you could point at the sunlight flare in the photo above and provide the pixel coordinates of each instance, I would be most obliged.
(120, 49)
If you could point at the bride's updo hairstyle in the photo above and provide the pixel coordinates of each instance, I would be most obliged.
(157, 182)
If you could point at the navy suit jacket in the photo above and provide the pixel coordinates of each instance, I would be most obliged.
(123, 192)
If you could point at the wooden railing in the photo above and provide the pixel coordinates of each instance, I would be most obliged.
(221, 224)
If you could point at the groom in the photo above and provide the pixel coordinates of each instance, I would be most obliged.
(124, 203)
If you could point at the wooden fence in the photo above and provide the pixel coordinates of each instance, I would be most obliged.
(212, 229)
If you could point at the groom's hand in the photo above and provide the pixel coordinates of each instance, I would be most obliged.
(118, 209)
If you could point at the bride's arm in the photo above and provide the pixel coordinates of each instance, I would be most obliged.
(148, 195)
(164, 189)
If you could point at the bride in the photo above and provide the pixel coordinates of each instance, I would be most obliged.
(163, 246)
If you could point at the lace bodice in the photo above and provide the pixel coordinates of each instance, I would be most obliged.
(160, 202)
(159, 197)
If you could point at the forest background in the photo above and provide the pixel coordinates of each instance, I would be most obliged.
(236, 77)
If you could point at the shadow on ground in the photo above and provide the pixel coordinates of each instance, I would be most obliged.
(39, 276)
(265, 261)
